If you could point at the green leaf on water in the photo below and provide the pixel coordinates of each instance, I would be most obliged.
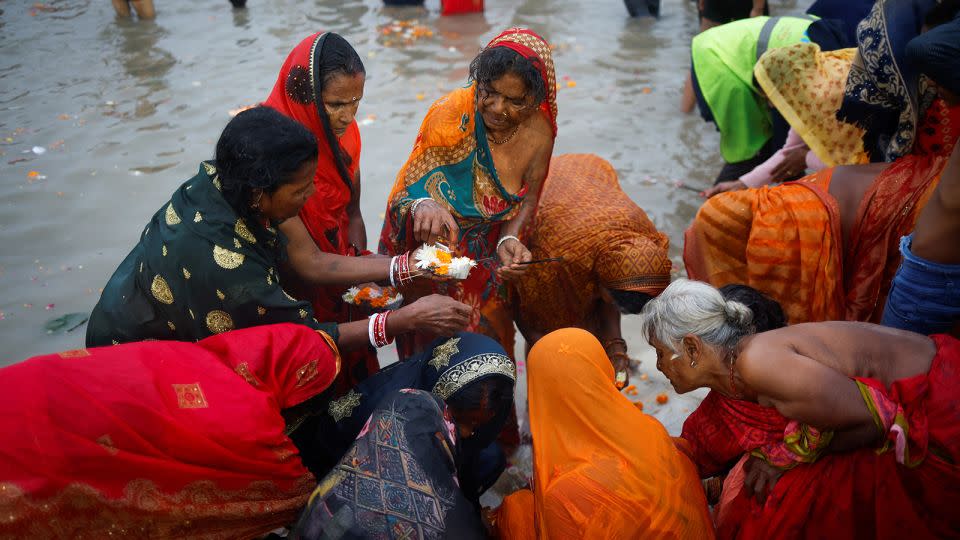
(65, 323)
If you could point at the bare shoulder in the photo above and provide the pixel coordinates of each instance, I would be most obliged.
(539, 133)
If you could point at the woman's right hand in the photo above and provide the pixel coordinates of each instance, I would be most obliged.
(432, 221)
(723, 187)
(434, 314)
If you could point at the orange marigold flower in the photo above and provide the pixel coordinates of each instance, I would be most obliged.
(442, 270)
(662, 398)
(444, 257)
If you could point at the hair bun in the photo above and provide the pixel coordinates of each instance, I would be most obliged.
(737, 313)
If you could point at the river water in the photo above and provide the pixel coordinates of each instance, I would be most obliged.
(123, 111)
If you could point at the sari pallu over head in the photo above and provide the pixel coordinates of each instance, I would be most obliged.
(297, 94)
(451, 163)
(446, 368)
(160, 439)
(885, 95)
(602, 468)
(398, 480)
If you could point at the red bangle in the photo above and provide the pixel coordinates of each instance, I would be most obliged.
(380, 338)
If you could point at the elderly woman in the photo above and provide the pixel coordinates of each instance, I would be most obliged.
(873, 422)
(475, 173)
(207, 261)
(162, 439)
(470, 372)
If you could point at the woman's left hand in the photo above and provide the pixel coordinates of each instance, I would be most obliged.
(760, 477)
(512, 252)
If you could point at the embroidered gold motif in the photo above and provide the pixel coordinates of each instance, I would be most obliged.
(115, 342)
(209, 168)
(236, 243)
(219, 321)
(462, 374)
(290, 298)
(171, 326)
(343, 407)
(227, 259)
(261, 310)
(140, 509)
(163, 249)
(171, 215)
(243, 370)
(269, 280)
(303, 314)
(217, 184)
(75, 353)
(243, 232)
(107, 443)
(161, 291)
(190, 396)
(220, 294)
(197, 218)
(307, 373)
(444, 352)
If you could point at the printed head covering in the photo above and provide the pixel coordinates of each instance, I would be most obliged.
(397, 480)
(806, 86)
(883, 94)
(636, 262)
(445, 368)
(531, 46)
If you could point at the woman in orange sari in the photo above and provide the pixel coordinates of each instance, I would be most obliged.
(602, 468)
(826, 246)
(162, 439)
(320, 85)
(475, 174)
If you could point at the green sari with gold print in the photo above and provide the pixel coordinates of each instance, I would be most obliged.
(198, 270)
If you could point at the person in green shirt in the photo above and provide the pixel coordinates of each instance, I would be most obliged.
(208, 260)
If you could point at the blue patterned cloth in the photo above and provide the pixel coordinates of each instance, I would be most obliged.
(398, 480)
(883, 94)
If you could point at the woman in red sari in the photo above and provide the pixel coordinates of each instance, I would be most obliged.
(872, 444)
(163, 438)
(474, 177)
(320, 85)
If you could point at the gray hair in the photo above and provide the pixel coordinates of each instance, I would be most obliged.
(694, 307)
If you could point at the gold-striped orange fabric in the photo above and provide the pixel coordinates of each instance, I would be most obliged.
(602, 468)
(784, 241)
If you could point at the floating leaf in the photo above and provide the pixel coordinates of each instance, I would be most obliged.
(65, 323)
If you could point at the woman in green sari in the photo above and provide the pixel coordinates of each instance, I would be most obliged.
(208, 260)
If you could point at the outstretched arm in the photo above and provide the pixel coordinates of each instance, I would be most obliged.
(321, 268)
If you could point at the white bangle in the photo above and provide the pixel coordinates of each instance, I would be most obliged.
(416, 203)
(393, 263)
(505, 238)
(373, 341)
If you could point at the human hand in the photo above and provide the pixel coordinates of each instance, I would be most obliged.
(794, 163)
(760, 477)
(723, 187)
(621, 364)
(512, 252)
(435, 314)
(432, 221)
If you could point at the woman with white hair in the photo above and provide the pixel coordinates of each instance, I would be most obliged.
(870, 409)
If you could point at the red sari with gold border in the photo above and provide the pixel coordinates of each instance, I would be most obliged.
(160, 438)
